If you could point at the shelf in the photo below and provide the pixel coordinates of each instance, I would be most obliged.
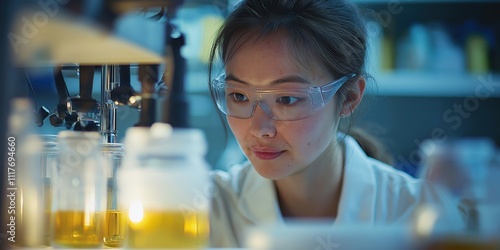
(409, 83)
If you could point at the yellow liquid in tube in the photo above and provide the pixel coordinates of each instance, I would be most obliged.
(169, 229)
(78, 229)
(115, 228)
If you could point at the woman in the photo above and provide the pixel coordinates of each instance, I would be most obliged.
(293, 70)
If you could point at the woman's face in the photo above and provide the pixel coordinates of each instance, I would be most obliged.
(278, 149)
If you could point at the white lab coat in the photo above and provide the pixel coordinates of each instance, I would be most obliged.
(372, 193)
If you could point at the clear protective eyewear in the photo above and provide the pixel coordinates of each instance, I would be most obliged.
(280, 104)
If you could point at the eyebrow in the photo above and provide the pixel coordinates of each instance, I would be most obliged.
(286, 79)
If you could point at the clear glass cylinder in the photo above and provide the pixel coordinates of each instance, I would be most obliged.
(78, 191)
(115, 226)
(489, 211)
(461, 167)
(48, 162)
(164, 184)
(26, 196)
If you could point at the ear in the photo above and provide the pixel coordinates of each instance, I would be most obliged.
(353, 96)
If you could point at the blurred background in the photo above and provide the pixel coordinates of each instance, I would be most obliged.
(435, 68)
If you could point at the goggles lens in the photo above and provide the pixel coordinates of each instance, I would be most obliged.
(280, 104)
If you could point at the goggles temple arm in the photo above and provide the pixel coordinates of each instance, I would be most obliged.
(330, 89)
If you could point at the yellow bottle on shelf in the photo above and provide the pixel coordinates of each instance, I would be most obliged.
(477, 54)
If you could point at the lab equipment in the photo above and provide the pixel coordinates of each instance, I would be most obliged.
(24, 187)
(461, 167)
(115, 228)
(165, 188)
(79, 191)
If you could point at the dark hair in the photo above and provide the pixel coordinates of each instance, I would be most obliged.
(329, 32)
(371, 145)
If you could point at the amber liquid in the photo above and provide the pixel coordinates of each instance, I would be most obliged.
(115, 228)
(77, 229)
(169, 230)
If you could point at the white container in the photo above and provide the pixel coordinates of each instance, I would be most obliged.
(164, 185)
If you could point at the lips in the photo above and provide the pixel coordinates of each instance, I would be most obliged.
(266, 154)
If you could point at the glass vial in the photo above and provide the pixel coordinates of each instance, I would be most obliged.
(79, 191)
(48, 162)
(115, 224)
(23, 184)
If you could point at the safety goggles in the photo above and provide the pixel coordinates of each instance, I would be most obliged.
(280, 104)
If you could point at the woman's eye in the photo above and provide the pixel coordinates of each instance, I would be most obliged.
(287, 100)
(238, 97)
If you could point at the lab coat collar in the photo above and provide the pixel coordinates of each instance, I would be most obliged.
(259, 199)
(357, 198)
(259, 202)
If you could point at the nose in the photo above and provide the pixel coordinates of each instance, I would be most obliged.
(262, 123)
